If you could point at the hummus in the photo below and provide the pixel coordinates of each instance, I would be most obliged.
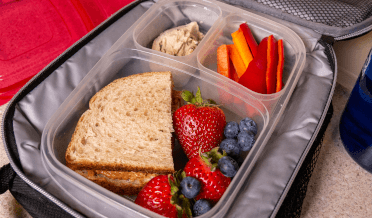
(179, 41)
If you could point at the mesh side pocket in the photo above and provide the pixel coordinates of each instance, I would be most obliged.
(342, 13)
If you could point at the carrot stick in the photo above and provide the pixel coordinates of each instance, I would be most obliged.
(223, 61)
(279, 73)
(233, 74)
(242, 46)
(236, 60)
(249, 38)
(272, 64)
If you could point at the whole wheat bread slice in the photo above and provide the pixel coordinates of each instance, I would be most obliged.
(128, 127)
(123, 182)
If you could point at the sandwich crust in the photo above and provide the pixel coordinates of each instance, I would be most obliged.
(122, 183)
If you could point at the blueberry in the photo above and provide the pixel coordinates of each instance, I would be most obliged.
(228, 166)
(246, 140)
(247, 124)
(230, 146)
(190, 187)
(231, 130)
(201, 207)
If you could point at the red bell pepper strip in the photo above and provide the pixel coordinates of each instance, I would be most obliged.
(254, 77)
(272, 64)
(279, 74)
(253, 46)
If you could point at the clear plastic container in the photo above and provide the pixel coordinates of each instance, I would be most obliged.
(132, 54)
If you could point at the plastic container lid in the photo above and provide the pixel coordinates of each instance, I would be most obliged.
(34, 33)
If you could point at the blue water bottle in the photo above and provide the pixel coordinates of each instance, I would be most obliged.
(356, 119)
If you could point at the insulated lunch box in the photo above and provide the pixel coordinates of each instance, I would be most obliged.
(39, 120)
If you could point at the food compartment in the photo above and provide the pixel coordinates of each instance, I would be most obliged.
(57, 134)
(170, 14)
(294, 50)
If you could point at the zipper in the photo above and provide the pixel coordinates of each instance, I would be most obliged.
(354, 34)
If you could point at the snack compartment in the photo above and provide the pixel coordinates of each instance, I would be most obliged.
(260, 27)
(171, 14)
(121, 63)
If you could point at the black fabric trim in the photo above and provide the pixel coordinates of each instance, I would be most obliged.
(328, 39)
(10, 142)
(7, 175)
(329, 54)
(36, 204)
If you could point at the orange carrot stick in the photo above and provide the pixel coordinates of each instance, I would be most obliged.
(233, 74)
(236, 60)
(242, 46)
(252, 44)
(223, 61)
(279, 74)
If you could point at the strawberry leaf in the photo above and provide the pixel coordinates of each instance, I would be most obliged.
(198, 96)
(187, 96)
(215, 155)
(174, 185)
(183, 175)
(175, 200)
(174, 190)
(193, 101)
(179, 211)
(214, 167)
(186, 206)
(211, 101)
(206, 160)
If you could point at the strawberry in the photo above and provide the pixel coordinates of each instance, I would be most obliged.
(204, 168)
(199, 124)
(161, 195)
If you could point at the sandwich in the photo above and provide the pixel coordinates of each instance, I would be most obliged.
(125, 137)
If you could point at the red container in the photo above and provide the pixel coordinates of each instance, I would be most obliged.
(35, 32)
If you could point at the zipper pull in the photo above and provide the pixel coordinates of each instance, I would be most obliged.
(328, 39)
